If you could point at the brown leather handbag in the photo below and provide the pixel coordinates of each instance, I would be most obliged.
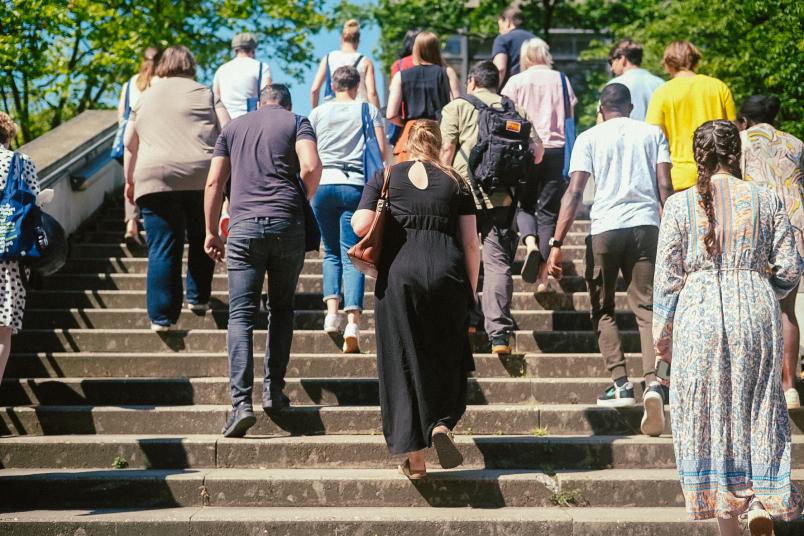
(365, 255)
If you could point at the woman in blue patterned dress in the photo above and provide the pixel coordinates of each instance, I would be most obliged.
(726, 254)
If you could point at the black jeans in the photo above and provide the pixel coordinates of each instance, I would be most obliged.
(540, 200)
(254, 247)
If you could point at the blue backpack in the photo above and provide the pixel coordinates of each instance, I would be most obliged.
(19, 216)
(27, 234)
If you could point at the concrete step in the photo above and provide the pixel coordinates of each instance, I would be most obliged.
(348, 451)
(308, 283)
(86, 249)
(134, 340)
(206, 364)
(138, 265)
(136, 318)
(510, 521)
(486, 488)
(302, 391)
(496, 419)
(124, 299)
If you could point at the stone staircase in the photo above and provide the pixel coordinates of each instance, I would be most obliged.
(109, 428)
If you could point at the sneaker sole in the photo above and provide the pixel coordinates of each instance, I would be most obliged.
(617, 403)
(760, 523)
(239, 428)
(653, 418)
(504, 350)
(530, 268)
(350, 345)
(448, 454)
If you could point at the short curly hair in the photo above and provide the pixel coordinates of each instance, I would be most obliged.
(8, 128)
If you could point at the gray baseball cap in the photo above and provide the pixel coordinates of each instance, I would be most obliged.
(244, 40)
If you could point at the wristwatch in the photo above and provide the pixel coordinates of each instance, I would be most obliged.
(553, 243)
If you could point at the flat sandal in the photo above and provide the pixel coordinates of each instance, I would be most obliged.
(448, 454)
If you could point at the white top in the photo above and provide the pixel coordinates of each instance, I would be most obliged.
(641, 84)
(339, 129)
(237, 81)
(622, 154)
(338, 58)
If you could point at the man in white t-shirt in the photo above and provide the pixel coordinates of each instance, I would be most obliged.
(630, 161)
(236, 81)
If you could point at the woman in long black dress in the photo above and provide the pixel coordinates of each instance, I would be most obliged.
(427, 279)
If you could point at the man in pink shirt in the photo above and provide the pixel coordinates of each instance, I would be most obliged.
(538, 89)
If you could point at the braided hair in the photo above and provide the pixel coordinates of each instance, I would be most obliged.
(717, 146)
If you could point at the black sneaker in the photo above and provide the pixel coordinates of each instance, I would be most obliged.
(618, 397)
(276, 401)
(653, 418)
(240, 420)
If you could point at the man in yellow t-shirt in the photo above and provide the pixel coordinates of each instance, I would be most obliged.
(683, 104)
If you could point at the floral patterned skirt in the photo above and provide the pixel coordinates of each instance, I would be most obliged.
(731, 431)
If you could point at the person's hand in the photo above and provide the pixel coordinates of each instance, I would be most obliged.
(555, 263)
(213, 246)
(659, 359)
(129, 192)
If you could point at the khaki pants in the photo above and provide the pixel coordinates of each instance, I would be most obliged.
(631, 251)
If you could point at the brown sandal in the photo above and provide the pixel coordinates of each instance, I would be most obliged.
(448, 454)
(405, 471)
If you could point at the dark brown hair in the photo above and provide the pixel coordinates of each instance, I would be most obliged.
(717, 145)
(628, 49)
(345, 78)
(681, 56)
(176, 61)
(513, 14)
(148, 67)
(760, 109)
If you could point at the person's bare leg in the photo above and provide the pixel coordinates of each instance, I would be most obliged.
(353, 317)
(5, 348)
(728, 527)
(332, 306)
(792, 336)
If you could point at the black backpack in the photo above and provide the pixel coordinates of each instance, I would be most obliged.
(502, 157)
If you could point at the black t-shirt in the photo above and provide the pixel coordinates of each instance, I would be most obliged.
(262, 149)
(510, 44)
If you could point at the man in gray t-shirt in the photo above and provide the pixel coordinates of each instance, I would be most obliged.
(631, 164)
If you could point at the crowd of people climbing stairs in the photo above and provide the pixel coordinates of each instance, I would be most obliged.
(697, 214)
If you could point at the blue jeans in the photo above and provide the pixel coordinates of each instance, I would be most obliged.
(333, 206)
(254, 247)
(167, 217)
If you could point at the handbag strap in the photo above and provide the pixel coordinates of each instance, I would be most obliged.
(565, 92)
(259, 81)
(386, 184)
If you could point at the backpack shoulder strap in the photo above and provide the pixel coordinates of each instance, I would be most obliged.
(359, 59)
(474, 101)
(259, 79)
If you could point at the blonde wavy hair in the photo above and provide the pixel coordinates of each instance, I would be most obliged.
(351, 32)
(424, 144)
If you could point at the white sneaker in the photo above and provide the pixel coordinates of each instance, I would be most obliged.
(159, 328)
(351, 338)
(198, 308)
(792, 399)
(332, 323)
(653, 417)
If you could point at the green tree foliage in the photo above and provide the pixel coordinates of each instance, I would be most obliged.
(755, 46)
(58, 58)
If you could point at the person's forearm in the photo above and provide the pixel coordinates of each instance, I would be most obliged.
(566, 216)
(373, 98)
(447, 155)
(314, 98)
(472, 260)
(311, 177)
(213, 202)
(129, 163)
